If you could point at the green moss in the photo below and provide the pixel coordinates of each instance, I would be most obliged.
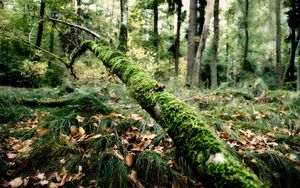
(192, 136)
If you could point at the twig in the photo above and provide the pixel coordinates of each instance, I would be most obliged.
(76, 26)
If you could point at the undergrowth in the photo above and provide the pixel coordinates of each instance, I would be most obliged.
(114, 127)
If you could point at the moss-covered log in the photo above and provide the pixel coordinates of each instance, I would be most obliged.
(192, 137)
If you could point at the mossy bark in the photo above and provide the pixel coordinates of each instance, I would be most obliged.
(193, 138)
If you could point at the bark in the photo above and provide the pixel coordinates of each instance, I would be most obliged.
(1, 4)
(124, 12)
(298, 71)
(193, 138)
(177, 40)
(201, 17)
(191, 43)
(290, 76)
(213, 62)
(202, 44)
(278, 43)
(155, 29)
(41, 25)
(75, 26)
(124, 24)
(246, 64)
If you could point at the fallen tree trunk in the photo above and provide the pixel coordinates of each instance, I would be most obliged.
(192, 137)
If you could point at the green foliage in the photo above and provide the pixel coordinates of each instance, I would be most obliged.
(155, 170)
(275, 170)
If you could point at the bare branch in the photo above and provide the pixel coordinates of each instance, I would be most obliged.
(76, 26)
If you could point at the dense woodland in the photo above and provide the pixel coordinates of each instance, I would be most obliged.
(150, 93)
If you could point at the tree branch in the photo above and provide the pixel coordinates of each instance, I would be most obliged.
(76, 26)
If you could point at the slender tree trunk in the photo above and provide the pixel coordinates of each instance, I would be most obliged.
(1, 4)
(193, 138)
(191, 43)
(291, 67)
(201, 16)
(278, 43)
(246, 63)
(202, 44)
(41, 25)
(124, 26)
(155, 30)
(79, 13)
(213, 62)
(177, 40)
(298, 69)
(124, 12)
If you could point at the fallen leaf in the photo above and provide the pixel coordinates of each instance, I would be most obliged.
(80, 119)
(40, 176)
(254, 161)
(129, 159)
(11, 156)
(81, 131)
(54, 185)
(241, 152)
(224, 134)
(136, 117)
(44, 182)
(133, 176)
(93, 137)
(73, 130)
(18, 146)
(16, 182)
(41, 131)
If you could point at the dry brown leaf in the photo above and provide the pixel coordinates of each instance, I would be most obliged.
(44, 182)
(241, 152)
(148, 136)
(242, 141)
(16, 182)
(93, 137)
(253, 161)
(129, 159)
(18, 146)
(64, 173)
(274, 144)
(54, 185)
(80, 119)
(40, 176)
(133, 176)
(81, 131)
(11, 156)
(136, 117)
(41, 131)
(73, 130)
(224, 134)
(64, 137)
(118, 154)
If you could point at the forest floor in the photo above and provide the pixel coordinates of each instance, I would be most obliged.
(100, 137)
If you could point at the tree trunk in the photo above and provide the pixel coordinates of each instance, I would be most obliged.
(191, 43)
(1, 4)
(214, 55)
(290, 76)
(246, 63)
(124, 25)
(177, 40)
(192, 137)
(298, 71)
(79, 13)
(41, 25)
(124, 12)
(278, 43)
(202, 44)
(155, 30)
